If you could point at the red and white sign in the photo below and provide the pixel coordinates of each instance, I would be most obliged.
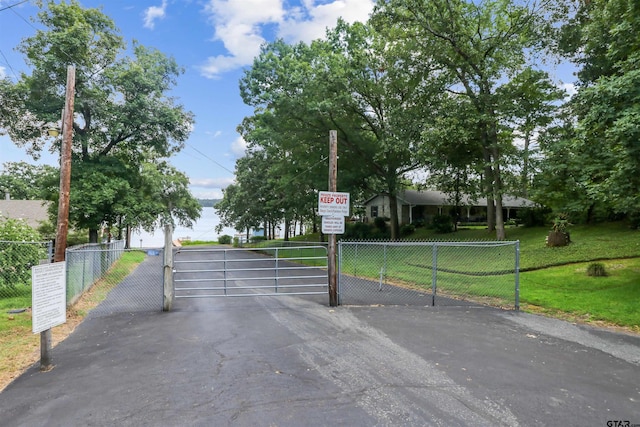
(333, 224)
(333, 204)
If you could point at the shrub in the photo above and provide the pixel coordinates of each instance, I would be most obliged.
(407, 229)
(20, 249)
(236, 242)
(380, 222)
(634, 220)
(533, 217)
(256, 239)
(442, 224)
(417, 223)
(225, 239)
(357, 231)
(596, 269)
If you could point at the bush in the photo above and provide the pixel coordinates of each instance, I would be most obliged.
(236, 242)
(533, 217)
(417, 223)
(225, 239)
(407, 229)
(634, 220)
(357, 231)
(20, 249)
(380, 222)
(442, 224)
(256, 239)
(596, 269)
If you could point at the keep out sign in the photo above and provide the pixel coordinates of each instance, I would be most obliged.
(333, 204)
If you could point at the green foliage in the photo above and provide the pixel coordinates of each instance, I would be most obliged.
(357, 231)
(20, 249)
(380, 222)
(561, 223)
(442, 224)
(27, 182)
(124, 117)
(225, 239)
(596, 269)
(407, 230)
(257, 239)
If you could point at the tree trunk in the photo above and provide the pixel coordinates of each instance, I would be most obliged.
(93, 235)
(286, 230)
(497, 185)
(393, 215)
(488, 189)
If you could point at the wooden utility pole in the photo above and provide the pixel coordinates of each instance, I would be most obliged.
(63, 201)
(65, 167)
(333, 178)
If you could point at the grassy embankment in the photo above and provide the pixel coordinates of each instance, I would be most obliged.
(552, 280)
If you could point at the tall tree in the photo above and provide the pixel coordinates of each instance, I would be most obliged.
(607, 105)
(353, 82)
(24, 181)
(121, 104)
(479, 44)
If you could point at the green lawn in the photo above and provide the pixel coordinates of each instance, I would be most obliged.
(552, 280)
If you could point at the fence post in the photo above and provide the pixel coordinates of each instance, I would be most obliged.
(168, 268)
(276, 270)
(517, 275)
(434, 273)
(339, 270)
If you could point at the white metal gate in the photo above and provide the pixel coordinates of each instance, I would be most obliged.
(226, 272)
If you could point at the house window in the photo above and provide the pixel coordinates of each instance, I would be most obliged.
(374, 211)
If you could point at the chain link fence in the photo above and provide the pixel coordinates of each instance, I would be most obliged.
(429, 273)
(88, 263)
(133, 284)
(16, 260)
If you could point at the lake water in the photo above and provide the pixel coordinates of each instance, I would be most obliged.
(203, 229)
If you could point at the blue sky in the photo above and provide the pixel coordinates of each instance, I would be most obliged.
(214, 40)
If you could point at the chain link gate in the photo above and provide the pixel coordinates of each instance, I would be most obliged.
(250, 272)
(429, 273)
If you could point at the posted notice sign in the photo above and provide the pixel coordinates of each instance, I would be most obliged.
(333, 204)
(333, 224)
(48, 290)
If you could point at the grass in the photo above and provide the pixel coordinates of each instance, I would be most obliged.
(568, 289)
(553, 281)
(199, 242)
(19, 347)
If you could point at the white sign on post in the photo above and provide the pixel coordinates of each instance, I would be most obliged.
(333, 204)
(48, 301)
(333, 224)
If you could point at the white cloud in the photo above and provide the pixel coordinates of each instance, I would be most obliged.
(216, 194)
(311, 20)
(241, 24)
(3, 72)
(153, 13)
(222, 182)
(239, 147)
(570, 88)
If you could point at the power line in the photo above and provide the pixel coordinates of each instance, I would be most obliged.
(9, 65)
(13, 5)
(208, 158)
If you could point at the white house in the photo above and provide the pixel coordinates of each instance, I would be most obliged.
(416, 205)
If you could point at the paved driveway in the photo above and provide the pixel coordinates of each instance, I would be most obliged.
(297, 362)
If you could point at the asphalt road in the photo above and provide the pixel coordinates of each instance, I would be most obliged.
(291, 361)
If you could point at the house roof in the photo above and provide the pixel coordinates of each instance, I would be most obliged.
(32, 211)
(439, 198)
